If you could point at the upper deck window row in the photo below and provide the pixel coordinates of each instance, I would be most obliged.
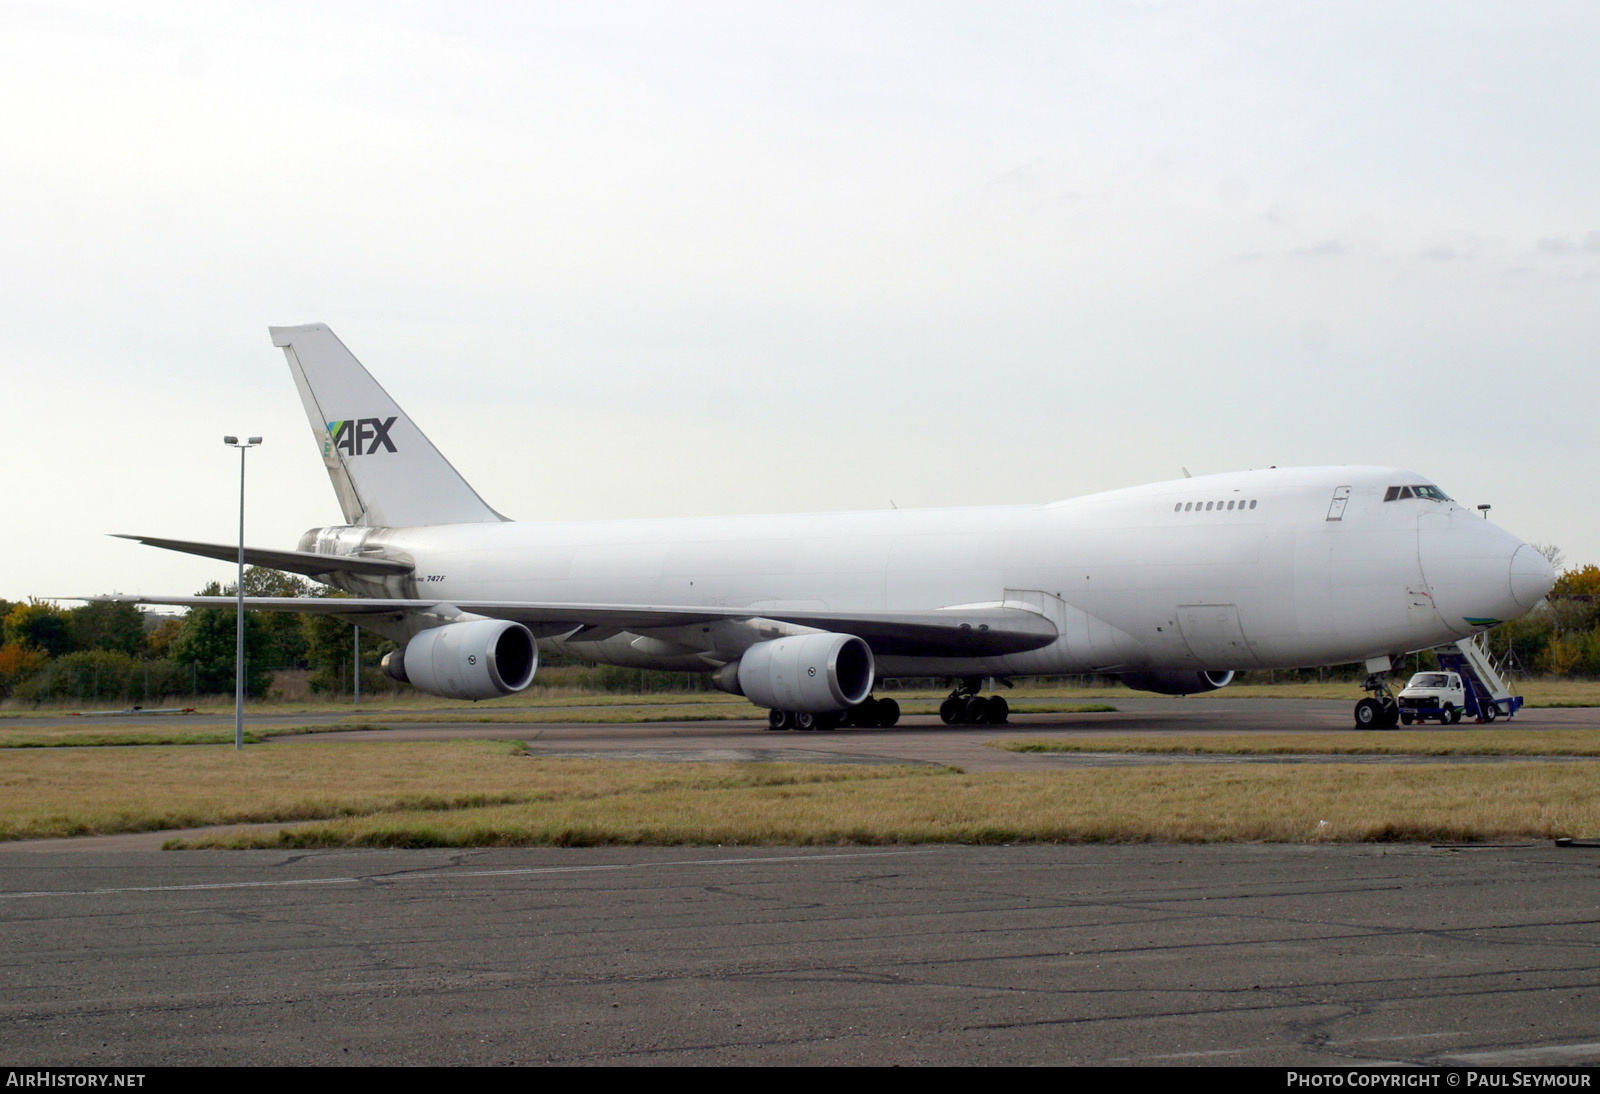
(1206, 506)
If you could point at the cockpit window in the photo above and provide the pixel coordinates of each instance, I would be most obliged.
(1431, 493)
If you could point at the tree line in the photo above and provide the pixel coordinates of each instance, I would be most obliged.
(1561, 637)
(110, 651)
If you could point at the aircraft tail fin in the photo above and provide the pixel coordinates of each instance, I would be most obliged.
(384, 470)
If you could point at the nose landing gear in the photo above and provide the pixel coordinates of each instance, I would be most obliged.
(1380, 710)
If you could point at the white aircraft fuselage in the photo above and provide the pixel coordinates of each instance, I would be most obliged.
(1134, 579)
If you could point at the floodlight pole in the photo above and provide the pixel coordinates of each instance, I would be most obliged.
(238, 652)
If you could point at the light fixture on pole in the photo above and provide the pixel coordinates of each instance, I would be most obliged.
(238, 654)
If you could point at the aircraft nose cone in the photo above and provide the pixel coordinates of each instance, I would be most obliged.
(1479, 574)
(1531, 576)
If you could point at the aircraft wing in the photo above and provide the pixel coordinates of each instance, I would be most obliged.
(950, 632)
(296, 562)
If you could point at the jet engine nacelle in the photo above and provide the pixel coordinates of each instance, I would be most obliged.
(807, 673)
(484, 659)
(1177, 683)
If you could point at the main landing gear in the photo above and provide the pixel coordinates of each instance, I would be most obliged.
(870, 713)
(966, 707)
(1380, 709)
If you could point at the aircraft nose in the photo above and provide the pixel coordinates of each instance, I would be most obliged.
(1531, 576)
(1479, 574)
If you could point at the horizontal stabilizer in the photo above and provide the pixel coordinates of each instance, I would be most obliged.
(295, 562)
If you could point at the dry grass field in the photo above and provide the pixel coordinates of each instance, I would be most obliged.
(492, 793)
(1476, 742)
(114, 734)
(465, 793)
(794, 805)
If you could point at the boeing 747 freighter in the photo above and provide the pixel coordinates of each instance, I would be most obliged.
(1174, 586)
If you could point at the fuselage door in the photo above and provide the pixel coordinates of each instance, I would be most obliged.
(1341, 494)
(1215, 637)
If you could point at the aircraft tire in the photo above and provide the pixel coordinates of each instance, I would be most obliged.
(999, 710)
(1369, 714)
(977, 711)
(1391, 714)
(950, 711)
(779, 720)
(1406, 719)
(888, 713)
(805, 721)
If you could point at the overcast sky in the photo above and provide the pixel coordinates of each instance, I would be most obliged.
(692, 258)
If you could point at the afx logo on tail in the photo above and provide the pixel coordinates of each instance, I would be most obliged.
(353, 435)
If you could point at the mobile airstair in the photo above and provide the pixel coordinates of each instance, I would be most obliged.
(1487, 694)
